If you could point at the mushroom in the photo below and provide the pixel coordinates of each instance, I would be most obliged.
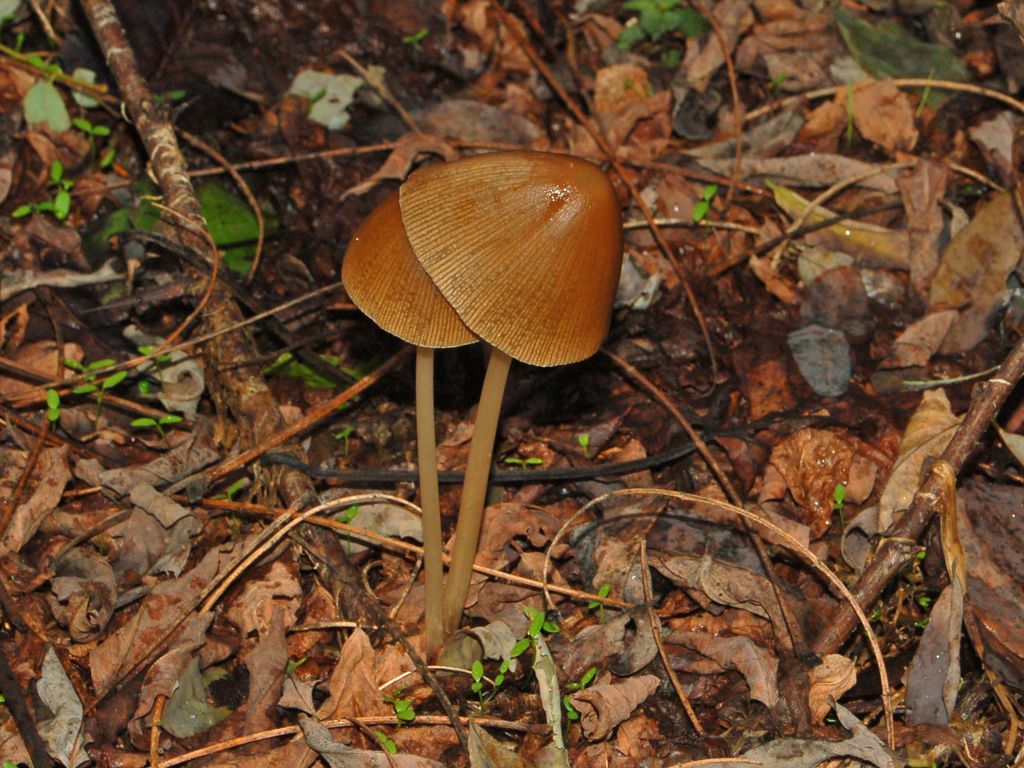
(383, 278)
(527, 249)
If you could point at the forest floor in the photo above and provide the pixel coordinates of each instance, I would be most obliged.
(777, 519)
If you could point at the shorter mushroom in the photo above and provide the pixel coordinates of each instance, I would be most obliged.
(383, 278)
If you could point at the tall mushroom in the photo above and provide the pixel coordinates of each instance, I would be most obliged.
(527, 248)
(383, 278)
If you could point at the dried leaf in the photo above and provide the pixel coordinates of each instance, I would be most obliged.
(62, 732)
(934, 677)
(758, 667)
(833, 676)
(52, 474)
(867, 243)
(883, 115)
(485, 751)
(974, 269)
(338, 755)
(608, 703)
(808, 753)
(922, 339)
(929, 431)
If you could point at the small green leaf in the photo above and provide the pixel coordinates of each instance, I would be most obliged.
(143, 421)
(416, 37)
(56, 171)
(386, 742)
(477, 670)
(21, 211)
(536, 621)
(82, 124)
(113, 380)
(97, 364)
(107, 158)
(520, 647)
(700, 210)
(74, 365)
(84, 389)
(53, 398)
(588, 677)
(62, 204)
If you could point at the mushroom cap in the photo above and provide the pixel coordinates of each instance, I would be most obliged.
(526, 246)
(384, 279)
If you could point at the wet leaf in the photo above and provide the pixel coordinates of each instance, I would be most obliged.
(887, 50)
(188, 711)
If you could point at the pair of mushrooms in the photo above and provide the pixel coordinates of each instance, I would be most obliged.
(521, 250)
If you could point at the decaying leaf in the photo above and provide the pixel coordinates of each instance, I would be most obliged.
(338, 755)
(833, 676)
(869, 244)
(608, 702)
(926, 436)
(974, 269)
(934, 677)
(63, 732)
(758, 666)
(53, 475)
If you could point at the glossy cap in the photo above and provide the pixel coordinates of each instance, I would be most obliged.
(384, 279)
(526, 246)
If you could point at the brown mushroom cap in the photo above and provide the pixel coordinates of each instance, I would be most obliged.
(383, 278)
(526, 246)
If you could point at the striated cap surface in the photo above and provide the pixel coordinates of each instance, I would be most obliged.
(526, 246)
(384, 279)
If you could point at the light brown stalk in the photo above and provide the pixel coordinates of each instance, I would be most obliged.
(474, 489)
(430, 502)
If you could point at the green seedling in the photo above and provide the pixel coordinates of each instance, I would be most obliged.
(707, 194)
(404, 710)
(586, 679)
(386, 742)
(657, 19)
(168, 97)
(597, 605)
(875, 614)
(531, 461)
(286, 365)
(777, 82)
(348, 515)
(839, 503)
(415, 39)
(925, 602)
(477, 673)
(59, 205)
(232, 490)
(157, 424)
(160, 360)
(294, 664)
(92, 385)
(584, 441)
(52, 405)
(344, 435)
(89, 129)
(538, 624)
(315, 97)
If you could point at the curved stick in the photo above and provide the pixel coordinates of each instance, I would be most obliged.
(474, 489)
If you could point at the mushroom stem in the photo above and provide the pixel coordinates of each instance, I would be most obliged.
(426, 451)
(474, 489)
